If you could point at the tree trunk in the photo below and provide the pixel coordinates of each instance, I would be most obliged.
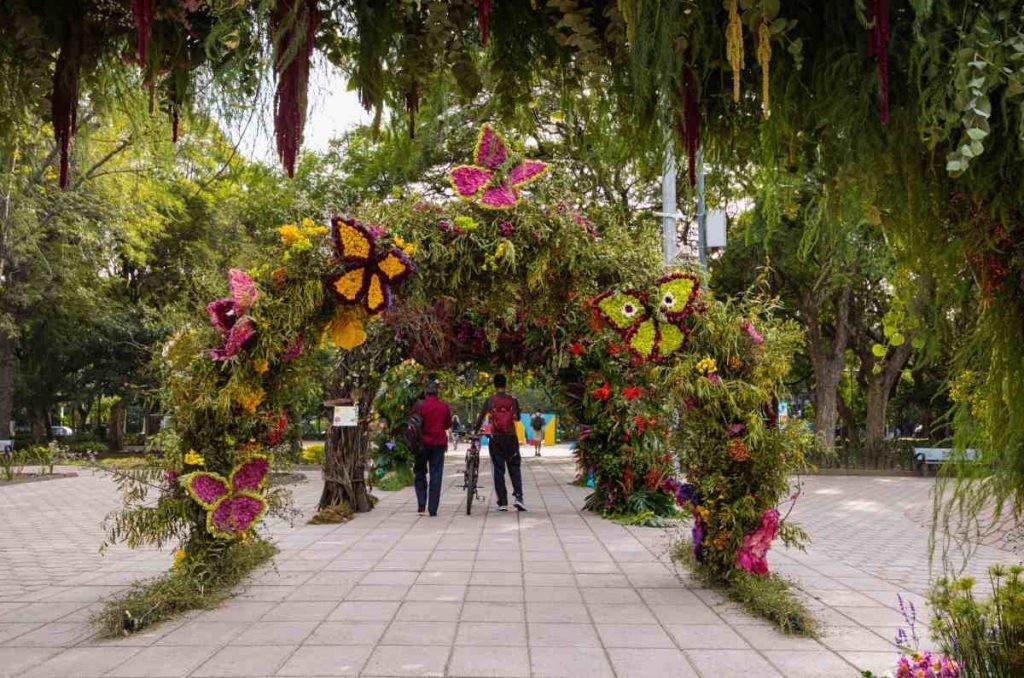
(851, 425)
(345, 453)
(879, 388)
(828, 357)
(826, 395)
(115, 425)
(40, 419)
(6, 385)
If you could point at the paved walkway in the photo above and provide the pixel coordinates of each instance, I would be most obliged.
(552, 592)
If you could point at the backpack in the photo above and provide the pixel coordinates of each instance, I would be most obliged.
(501, 414)
(414, 432)
(537, 423)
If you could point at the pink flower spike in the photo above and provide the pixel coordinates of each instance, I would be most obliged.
(499, 197)
(236, 515)
(526, 171)
(491, 151)
(243, 289)
(752, 332)
(250, 474)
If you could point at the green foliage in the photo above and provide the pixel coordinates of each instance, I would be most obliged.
(200, 582)
(770, 597)
(395, 479)
(313, 454)
(985, 636)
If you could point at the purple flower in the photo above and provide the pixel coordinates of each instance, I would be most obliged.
(171, 476)
(390, 445)
(239, 335)
(687, 494)
(736, 429)
(250, 474)
(222, 314)
(237, 514)
(505, 228)
(207, 488)
(294, 349)
(698, 539)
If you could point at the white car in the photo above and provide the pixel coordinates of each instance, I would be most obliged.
(61, 431)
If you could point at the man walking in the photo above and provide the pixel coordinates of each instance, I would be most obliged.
(436, 418)
(537, 424)
(504, 443)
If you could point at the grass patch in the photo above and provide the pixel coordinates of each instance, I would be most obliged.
(331, 515)
(770, 597)
(124, 462)
(395, 479)
(197, 585)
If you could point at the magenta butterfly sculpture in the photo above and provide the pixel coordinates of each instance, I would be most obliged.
(233, 504)
(489, 182)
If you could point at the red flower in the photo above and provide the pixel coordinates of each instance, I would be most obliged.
(614, 348)
(577, 349)
(604, 392)
(632, 392)
(277, 429)
(640, 422)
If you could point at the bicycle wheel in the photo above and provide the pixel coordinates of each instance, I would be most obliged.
(472, 467)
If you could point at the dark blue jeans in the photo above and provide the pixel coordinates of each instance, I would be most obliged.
(430, 457)
(504, 449)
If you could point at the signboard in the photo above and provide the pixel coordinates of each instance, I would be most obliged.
(715, 229)
(783, 413)
(345, 415)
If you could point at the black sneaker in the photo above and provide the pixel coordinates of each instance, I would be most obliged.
(520, 506)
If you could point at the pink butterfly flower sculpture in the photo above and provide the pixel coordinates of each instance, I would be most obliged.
(491, 182)
(233, 504)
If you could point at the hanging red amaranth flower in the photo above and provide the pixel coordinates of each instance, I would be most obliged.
(577, 349)
(293, 26)
(483, 20)
(689, 123)
(142, 14)
(64, 100)
(632, 393)
(604, 392)
(878, 47)
(276, 433)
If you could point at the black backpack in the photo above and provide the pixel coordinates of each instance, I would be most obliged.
(414, 432)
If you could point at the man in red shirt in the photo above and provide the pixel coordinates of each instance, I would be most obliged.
(437, 419)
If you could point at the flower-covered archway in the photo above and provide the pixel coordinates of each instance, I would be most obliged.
(659, 375)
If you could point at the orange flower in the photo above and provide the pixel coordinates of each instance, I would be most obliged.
(738, 450)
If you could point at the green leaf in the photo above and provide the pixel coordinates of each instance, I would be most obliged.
(897, 339)
(878, 350)
(976, 133)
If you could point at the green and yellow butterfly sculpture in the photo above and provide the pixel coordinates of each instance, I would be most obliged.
(653, 328)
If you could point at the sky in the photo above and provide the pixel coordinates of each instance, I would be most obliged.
(333, 110)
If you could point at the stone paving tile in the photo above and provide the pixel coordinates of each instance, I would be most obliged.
(551, 592)
(246, 661)
(82, 662)
(663, 663)
(164, 661)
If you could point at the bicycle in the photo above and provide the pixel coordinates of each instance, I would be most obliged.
(471, 473)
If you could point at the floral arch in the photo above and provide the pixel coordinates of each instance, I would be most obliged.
(663, 379)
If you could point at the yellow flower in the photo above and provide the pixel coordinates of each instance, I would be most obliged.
(409, 249)
(193, 458)
(250, 398)
(179, 558)
(291, 235)
(346, 331)
(707, 365)
(261, 366)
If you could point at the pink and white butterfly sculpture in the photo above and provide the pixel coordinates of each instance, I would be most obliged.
(233, 504)
(494, 180)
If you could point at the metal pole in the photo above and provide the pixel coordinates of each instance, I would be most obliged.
(702, 214)
(668, 204)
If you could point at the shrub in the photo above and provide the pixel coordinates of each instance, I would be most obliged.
(986, 637)
(201, 581)
(396, 479)
(313, 454)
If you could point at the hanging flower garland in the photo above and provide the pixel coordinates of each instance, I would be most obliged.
(878, 47)
(293, 26)
(734, 47)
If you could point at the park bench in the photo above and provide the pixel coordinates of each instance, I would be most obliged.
(929, 458)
